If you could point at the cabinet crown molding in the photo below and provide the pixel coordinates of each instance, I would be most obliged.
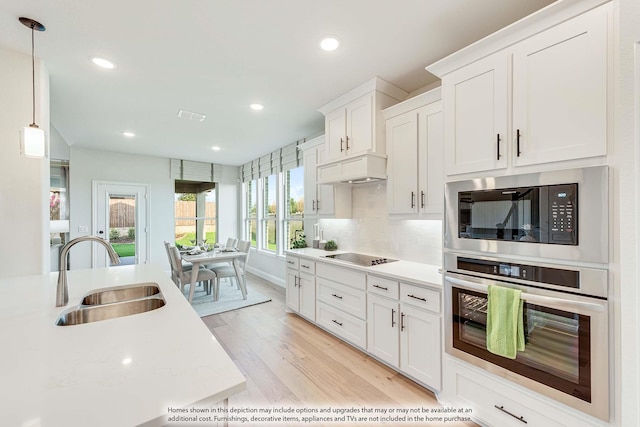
(554, 14)
(375, 84)
(413, 103)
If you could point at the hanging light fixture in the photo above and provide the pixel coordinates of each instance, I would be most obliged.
(32, 140)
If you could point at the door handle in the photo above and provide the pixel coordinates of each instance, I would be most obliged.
(313, 207)
(422, 199)
(518, 152)
(401, 322)
(341, 142)
(498, 155)
(347, 143)
(393, 315)
(413, 200)
(100, 232)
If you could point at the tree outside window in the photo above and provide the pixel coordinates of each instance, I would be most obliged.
(269, 232)
(294, 206)
(195, 218)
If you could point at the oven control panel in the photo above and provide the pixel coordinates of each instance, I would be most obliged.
(563, 213)
(532, 273)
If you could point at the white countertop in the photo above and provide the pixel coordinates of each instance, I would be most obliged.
(414, 272)
(79, 376)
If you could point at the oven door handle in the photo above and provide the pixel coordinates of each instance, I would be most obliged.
(531, 298)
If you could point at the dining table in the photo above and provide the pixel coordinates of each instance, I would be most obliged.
(212, 257)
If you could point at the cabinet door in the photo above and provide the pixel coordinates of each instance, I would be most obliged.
(475, 114)
(430, 159)
(382, 329)
(360, 125)
(560, 91)
(307, 289)
(293, 291)
(310, 196)
(402, 163)
(420, 345)
(335, 128)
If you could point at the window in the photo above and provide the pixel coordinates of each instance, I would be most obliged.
(251, 211)
(195, 214)
(269, 213)
(293, 224)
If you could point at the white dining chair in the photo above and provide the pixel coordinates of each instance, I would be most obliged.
(206, 276)
(228, 271)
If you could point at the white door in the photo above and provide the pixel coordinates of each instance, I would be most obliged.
(402, 163)
(382, 329)
(359, 125)
(293, 291)
(420, 345)
(335, 125)
(120, 216)
(307, 289)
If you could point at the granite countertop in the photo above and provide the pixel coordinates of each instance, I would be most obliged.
(124, 371)
(414, 272)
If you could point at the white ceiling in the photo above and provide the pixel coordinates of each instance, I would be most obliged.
(218, 56)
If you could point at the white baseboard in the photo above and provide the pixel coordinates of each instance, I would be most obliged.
(268, 277)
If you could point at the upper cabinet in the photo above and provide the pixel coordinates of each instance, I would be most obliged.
(415, 157)
(355, 133)
(531, 94)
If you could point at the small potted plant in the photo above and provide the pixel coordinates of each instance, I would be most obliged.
(298, 241)
(331, 245)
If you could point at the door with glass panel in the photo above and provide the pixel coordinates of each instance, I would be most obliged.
(120, 217)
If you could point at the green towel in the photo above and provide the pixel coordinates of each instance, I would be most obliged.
(505, 326)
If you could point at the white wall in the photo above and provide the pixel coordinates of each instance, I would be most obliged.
(59, 149)
(229, 187)
(372, 231)
(627, 228)
(87, 165)
(24, 182)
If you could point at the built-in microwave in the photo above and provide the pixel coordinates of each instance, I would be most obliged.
(557, 215)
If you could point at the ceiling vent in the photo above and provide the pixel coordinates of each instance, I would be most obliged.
(190, 115)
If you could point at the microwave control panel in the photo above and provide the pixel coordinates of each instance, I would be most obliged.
(563, 206)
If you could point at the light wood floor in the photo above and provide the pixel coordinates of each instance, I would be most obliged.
(288, 361)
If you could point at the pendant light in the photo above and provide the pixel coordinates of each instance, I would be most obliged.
(32, 139)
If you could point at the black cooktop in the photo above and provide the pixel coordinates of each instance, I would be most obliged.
(360, 259)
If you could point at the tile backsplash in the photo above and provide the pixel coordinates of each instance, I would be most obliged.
(373, 231)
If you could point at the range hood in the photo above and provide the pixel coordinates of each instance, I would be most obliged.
(358, 169)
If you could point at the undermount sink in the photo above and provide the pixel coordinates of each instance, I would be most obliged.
(120, 294)
(95, 313)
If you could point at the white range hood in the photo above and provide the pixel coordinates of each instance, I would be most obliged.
(357, 169)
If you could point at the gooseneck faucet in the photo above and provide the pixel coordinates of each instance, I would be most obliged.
(62, 291)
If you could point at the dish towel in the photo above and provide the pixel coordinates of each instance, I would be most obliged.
(505, 326)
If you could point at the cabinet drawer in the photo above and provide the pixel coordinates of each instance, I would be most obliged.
(420, 297)
(293, 262)
(382, 286)
(497, 409)
(350, 300)
(307, 266)
(342, 275)
(343, 325)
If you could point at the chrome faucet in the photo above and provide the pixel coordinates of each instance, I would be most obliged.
(62, 291)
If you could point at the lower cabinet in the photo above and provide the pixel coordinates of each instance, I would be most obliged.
(301, 286)
(404, 335)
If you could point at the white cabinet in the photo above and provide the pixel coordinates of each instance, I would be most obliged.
(560, 91)
(406, 333)
(350, 129)
(301, 286)
(415, 156)
(322, 200)
(475, 116)
(558, 106)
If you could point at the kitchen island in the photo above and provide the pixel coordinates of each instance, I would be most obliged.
(125, 371)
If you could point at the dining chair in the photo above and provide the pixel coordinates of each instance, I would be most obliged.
(183, 277)
(227, 271)
(231, 242)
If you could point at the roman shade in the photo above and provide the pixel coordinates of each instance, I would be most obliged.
(187, 170)
(280, 160)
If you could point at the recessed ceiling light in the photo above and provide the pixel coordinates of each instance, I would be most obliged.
(128, 134)
(329, 43)
(215, 148)
(101, 62)
(256, 107)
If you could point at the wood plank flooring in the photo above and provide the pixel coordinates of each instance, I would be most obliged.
(288, 361)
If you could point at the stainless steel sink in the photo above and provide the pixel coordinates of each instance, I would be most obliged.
(121, 293)
(95, 313)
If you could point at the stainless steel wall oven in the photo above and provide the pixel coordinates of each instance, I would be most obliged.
(565, 324)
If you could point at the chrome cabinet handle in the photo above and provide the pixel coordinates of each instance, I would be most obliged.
(337, 296)
(304, 266)
(341, 142)
(393, 314)
(415, 297)
(380, 287)
(347, 143)
(336, 322)
(501, 408)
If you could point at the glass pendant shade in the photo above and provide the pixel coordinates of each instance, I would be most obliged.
(32, 141)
